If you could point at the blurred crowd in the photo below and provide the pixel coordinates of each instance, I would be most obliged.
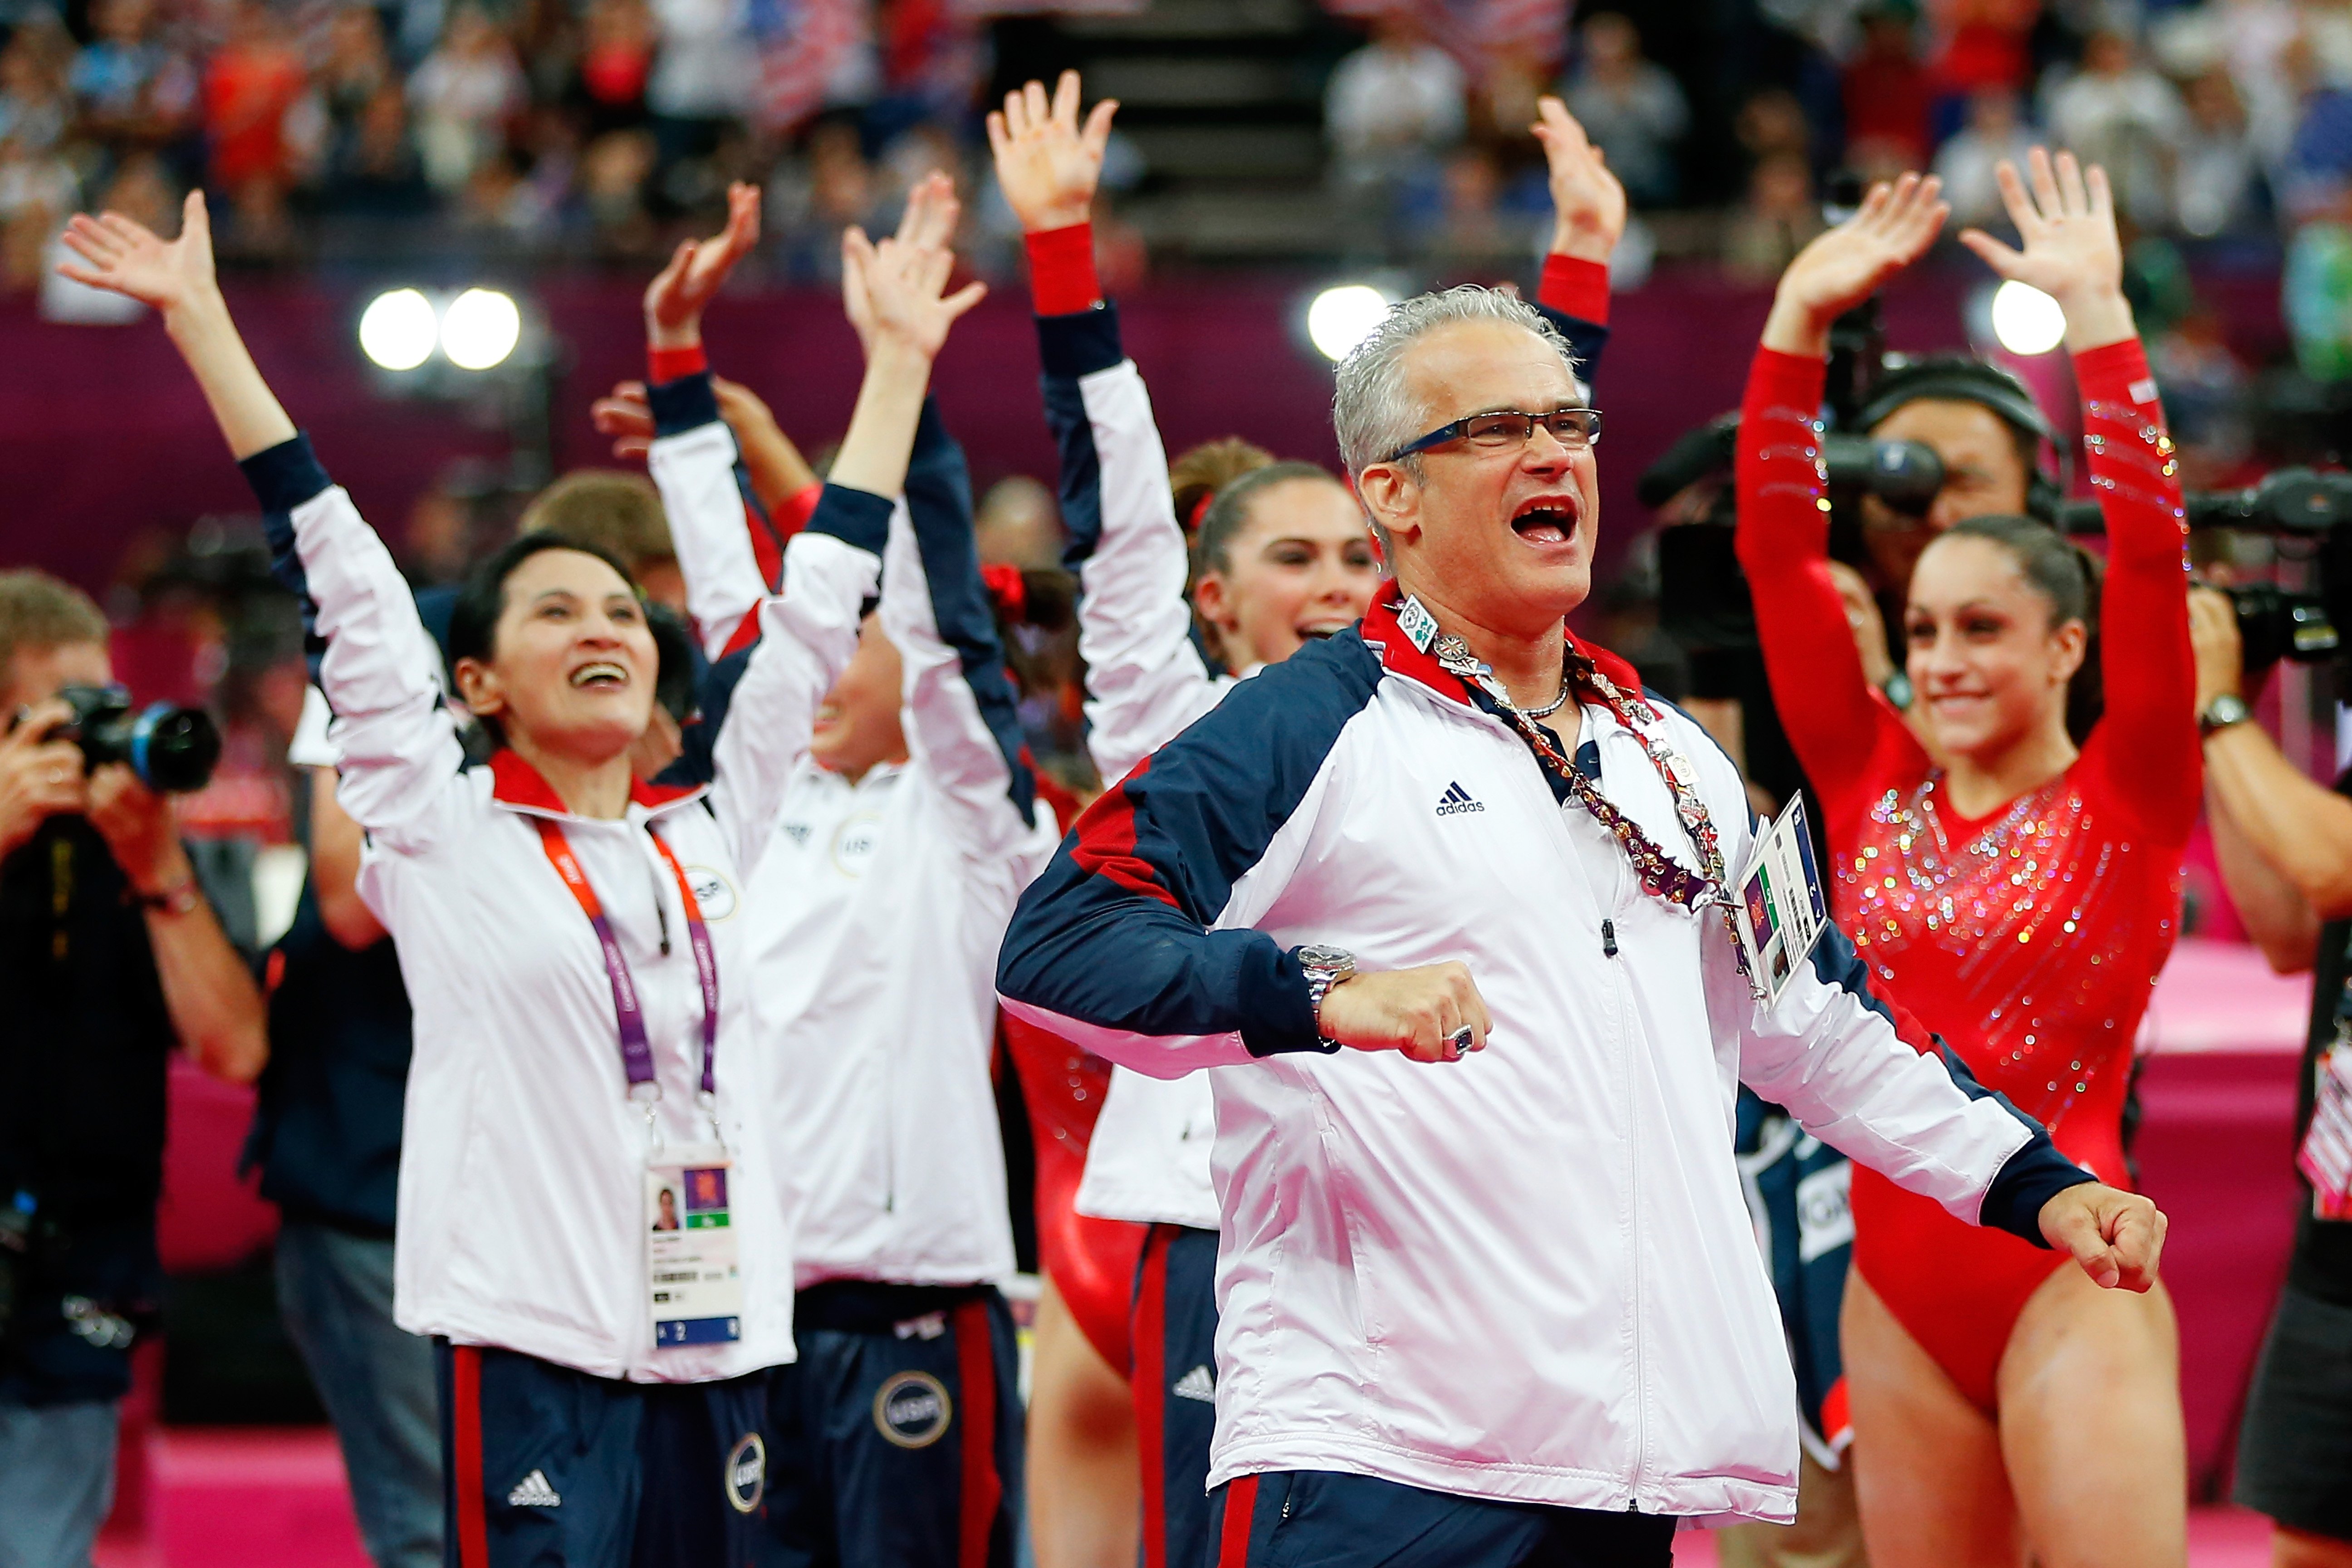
(595, 127)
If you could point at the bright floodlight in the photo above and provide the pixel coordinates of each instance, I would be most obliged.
(2025, 320)
(397, 330)
(1344, 316)
(480, 329)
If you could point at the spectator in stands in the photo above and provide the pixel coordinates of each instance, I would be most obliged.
(109, 955)
(464, 95)
(357, 68)
(34, 108)
(703, 75)
(2285, 848)
(616, 60)
(1886, 95)
(2121, 115)
(1390, 109)
(374, 170)
(2217, 185)
(1779, 218)
(249, 87)
(1630, 108)
(1994, 132)
(131, 90)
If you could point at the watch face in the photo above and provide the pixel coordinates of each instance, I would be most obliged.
(1317, 957)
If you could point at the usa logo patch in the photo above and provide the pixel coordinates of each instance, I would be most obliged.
(911, 1409)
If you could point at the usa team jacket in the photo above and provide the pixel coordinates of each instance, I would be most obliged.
(872, 921)
(1530, 1275)
(522, 1196)
(1146, 680)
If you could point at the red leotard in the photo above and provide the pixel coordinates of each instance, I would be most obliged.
(1091, 1262)
(2029, 939)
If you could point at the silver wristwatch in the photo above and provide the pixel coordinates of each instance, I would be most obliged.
(1324, 967)
(2222, 712)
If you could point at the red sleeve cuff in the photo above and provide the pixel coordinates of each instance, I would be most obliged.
(793, 513)
(1062, 278)
(1575, 287)
(2119, 370)
(671, 365)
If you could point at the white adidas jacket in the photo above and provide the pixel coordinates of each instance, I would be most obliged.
(521, 1202)
(1530, 1275)
(878, 907)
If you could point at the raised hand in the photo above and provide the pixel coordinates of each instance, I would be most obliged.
(1588, 203)
(675, 300)
(2067, 222)
(900, 285)
(929, 223)
(778, 472)
(1046, 164)
(125, 257)
(1841, 268)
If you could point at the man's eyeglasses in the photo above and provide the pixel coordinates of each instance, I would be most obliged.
(1574, 429)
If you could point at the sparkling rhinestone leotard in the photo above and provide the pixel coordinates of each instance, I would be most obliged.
(2029, 939)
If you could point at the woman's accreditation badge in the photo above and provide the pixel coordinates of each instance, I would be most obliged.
(693, 1276)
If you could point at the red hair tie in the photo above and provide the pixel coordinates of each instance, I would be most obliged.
(1007, 591)
(1200, 509)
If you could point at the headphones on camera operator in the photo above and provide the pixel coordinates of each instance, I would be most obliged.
(1962, 378)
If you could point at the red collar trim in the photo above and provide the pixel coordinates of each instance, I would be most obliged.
(1398, 654)
(514, 782)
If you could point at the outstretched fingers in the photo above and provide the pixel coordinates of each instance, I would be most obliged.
(1066, 100)
(1097, 135)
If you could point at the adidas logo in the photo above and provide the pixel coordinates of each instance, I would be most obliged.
(1198, 1383)
(1456, 801)
(534, 1492)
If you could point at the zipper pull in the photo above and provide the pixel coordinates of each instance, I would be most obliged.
(1608, 939)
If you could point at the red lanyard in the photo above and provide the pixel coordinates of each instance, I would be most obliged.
(637, 1050)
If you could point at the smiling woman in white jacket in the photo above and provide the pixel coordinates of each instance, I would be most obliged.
(588, 1222)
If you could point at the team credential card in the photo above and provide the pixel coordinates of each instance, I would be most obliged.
(1781, 910)
(692, 1273)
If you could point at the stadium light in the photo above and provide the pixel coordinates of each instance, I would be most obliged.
(2025, 320)
(480, 329)
(397, 330)
(1343, 316)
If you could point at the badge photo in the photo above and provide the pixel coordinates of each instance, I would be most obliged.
(911, 1409)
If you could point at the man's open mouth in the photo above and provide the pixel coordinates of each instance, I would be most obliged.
(1548, 520)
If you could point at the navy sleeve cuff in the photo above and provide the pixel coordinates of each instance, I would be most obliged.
(930, 431)
(687, 403)
(1276, 1003)
(1585, 340)
(285, 476)
(2033, 1176)
(1080, 344)
(853, 517)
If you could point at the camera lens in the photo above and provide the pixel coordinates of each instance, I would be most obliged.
(174, 750)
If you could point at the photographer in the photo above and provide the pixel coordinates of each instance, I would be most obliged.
(108, 955)
(2285, 848)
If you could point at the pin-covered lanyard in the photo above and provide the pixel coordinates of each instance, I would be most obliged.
(637, 1050)
(1661, 876)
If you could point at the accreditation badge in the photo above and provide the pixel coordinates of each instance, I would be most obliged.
(1781, 911)
(2325, 1157)
(693, 1276)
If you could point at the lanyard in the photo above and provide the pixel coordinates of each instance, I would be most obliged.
(637, 1051)
(1660, 875)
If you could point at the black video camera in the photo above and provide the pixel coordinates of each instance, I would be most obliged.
(172, 750)
(2274, 623)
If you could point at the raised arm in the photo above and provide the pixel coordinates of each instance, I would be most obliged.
(808, 632)
(2072, 252)
(380, 671)
(1145, 677)
(716, 525)
(1836, 722)
(1588, 219)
